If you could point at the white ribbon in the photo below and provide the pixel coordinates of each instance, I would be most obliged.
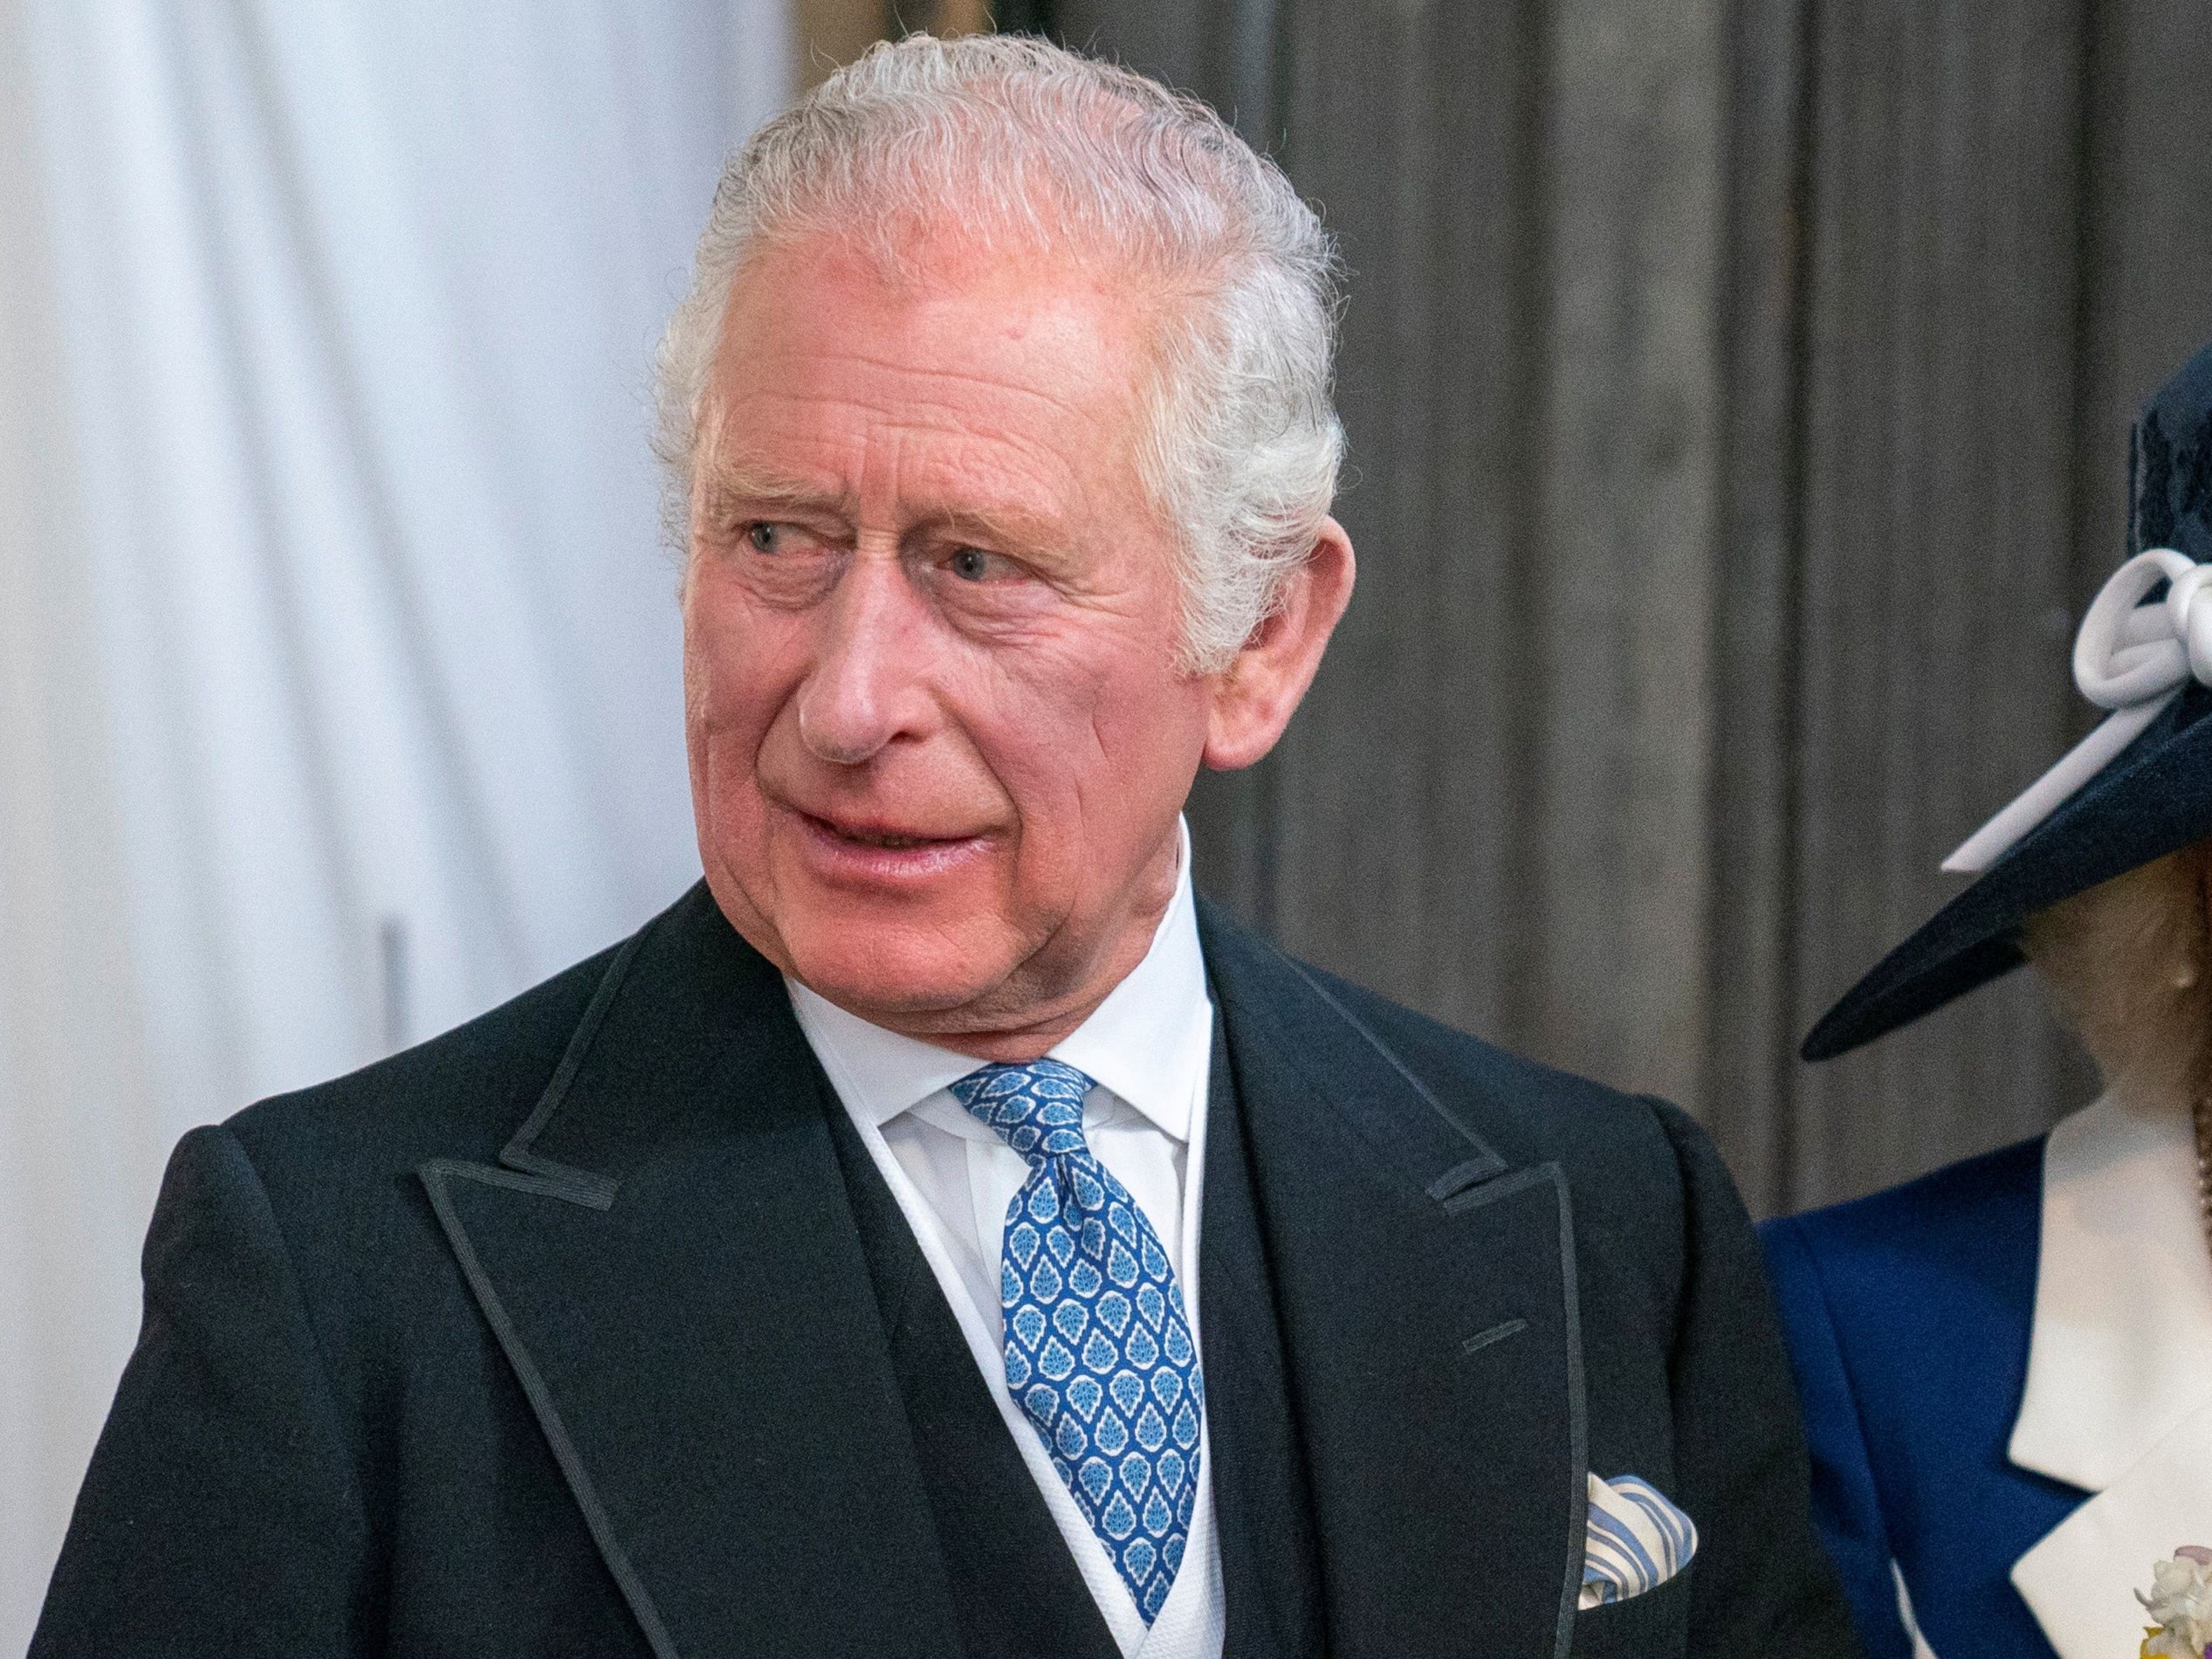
(2129, 657)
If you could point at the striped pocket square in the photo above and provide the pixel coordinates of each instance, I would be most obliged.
(1636, 1540)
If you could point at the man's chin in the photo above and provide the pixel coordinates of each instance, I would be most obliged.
(907, 984)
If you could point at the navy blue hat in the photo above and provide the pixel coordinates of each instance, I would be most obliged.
(2137, 788)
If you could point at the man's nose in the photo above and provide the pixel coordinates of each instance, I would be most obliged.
(867, 687)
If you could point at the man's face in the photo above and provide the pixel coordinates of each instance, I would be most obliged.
(938, 735)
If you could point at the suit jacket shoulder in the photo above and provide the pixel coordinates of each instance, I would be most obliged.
(336, 1164)
(458, 1094)
(1623, 1155)
(314, 1403)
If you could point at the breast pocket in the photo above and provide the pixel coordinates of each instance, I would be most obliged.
(1655, 1625)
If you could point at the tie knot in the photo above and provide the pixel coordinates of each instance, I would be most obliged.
(1037, 1109)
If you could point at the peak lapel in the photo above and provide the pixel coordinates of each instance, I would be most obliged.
(1428, 1302)
(668, 1260)
(2081, 1578)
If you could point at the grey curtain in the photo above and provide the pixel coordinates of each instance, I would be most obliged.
(1738, 394)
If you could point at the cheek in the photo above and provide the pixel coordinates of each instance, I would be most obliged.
(1092, 740)
(722, 632)
(734, 675)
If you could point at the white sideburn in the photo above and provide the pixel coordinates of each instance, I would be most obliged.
(2118, 1398)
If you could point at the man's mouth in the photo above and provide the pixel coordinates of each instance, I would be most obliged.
(879, 836)
(884, 853)
(887, 839)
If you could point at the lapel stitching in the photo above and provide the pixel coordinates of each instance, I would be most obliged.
(599, 1195)
(1459, 1176)
(436, 1175)
(1578, 1403)
(1482, 1340)
(532, 1173)
(582, 1186)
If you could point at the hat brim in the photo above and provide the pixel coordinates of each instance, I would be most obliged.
(2155, 798)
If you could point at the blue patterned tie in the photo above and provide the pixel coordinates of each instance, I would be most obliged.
(1098, 1349)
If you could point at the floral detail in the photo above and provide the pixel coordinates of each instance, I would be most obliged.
(2181, 1599)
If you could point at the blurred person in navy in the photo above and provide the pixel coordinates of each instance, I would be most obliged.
(2004, 1364)
(938, 1233)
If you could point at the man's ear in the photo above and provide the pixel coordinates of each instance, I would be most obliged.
(1257, 693)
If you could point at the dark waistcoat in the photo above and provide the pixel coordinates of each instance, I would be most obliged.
(1016, 1590)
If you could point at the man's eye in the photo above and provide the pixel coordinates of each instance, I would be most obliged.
(973, 564)
(765, 537)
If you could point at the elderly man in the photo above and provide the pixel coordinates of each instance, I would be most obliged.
(938, 1233)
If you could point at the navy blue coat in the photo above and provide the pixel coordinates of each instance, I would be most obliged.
(1907, 1316)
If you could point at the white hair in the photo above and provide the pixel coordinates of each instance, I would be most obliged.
(1010, 137)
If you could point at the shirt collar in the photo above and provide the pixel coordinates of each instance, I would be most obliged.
(1147, 1042)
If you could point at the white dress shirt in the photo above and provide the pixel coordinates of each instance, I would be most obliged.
(1147, 1048)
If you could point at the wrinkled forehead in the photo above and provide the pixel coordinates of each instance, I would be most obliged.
(1023, 371)
(1065, 323)
(924, 251)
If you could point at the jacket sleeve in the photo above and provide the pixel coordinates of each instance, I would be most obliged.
(1760, 1583)
(1845, 1505)
(222, 1513)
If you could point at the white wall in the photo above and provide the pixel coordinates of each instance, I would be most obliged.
(338, 686)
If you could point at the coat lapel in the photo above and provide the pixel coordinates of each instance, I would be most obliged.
(1428, 1302)
(2080, 1580)
(666, 1255)
(2115, 1401)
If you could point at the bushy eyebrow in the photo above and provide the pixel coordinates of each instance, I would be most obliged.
(725, 483)
(729, 483)
(1009, 528)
